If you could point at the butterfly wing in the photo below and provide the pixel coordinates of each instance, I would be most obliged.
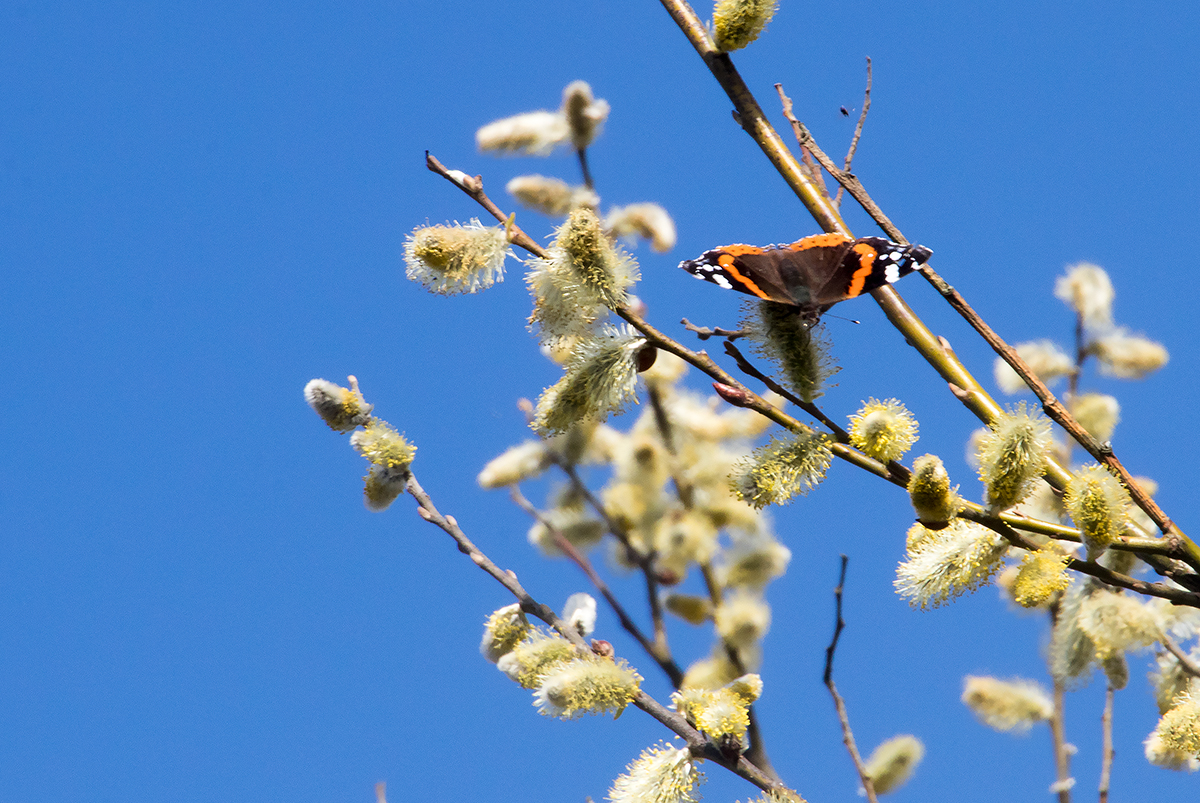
(870, 263)
(813, 273)
(745, 268)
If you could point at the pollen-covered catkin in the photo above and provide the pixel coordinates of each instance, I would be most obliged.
(893, 763)
(1012, 455)
(456, 259)
(934, 501)
(884, 430)
(1099, 505)
(737, 23)
(1007, 705)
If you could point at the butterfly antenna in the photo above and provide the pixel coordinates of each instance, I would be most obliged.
(840, 318)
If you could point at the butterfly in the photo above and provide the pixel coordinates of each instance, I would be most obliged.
(813, 273)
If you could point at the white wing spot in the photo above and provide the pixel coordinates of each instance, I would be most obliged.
(891, 274)
(720, 279)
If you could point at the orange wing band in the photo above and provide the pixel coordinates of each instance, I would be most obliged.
(726, 261)
(866, 261)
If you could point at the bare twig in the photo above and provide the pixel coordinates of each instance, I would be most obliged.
(656, 649)
(584, 169)
(508, 579)
(1090, 568)
(1185, 661)
(697, 742)
(1058, 476)
(704, 333)
(473, 186)
(862, 119)
(838, 702)
(1163, 555)
(1106, 750)
(1058, 735)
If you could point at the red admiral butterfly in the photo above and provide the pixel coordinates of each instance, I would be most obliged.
(813, 273)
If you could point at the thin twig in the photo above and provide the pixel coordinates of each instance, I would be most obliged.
(584, 169)
(862, 119)
(1106, 749)
(655, 649)
(1185, 661)
(1090, 568)
(838, 702)
(697, 742)
(508, 579)
(1163, 558)
(1058, 736)
(473, 186)
(1058, 476)
(704, 333)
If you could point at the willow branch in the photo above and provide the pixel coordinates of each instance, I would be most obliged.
(508, 579)
(1058, 737)
(1106, 750)
(1102, 573)
(858, 129)
(1185, 661)
(751, 118)
(473, 186)
(699, 744)
(656, 650)
(1058, 476)
(838, 702)
(970, 393)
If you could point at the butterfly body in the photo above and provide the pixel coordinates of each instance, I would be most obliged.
(813, 273)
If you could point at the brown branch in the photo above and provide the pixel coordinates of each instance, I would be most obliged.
(1106, 749)
(704, 333)
(508, 579)
(1090, 568)
(655, 649)
(751, 118)
(838, 702)
(473, 186)
(1058, 735)
(966, 389)
(862, 119)
(756, 751)
(1186, 549)
(584, 169)
(1185, 661)
(699, 744)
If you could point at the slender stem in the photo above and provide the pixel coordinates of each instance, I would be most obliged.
(977, 399)
(862, 119)
(658, 651)
(750, 116)
(473, 186)
(584, 169)
(632, 553)
(1062, 758)
(838, 702)
(682, 489)
(699, 744)
(1106, 750)
(1185, 661)
(969, 391)
(508, 579)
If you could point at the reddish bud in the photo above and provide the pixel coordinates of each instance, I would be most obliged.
(735, 396)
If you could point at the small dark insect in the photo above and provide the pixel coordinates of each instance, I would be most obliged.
(845, 112)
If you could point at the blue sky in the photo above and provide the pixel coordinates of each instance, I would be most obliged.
(203, 206)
